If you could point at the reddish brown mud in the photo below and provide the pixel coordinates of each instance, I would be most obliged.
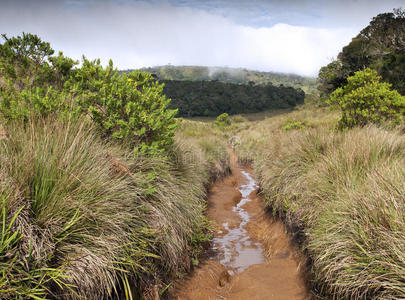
(251, 256)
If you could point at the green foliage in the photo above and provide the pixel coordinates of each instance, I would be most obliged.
(24, 56)
(223, 120)
(32, 102)
(330, 77)
(130, 108)
(212, 98)
(31, 79)
(380, 46)
(365, 99)
(27, 61)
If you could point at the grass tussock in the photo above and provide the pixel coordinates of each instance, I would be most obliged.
(85, 219)
(342, 195)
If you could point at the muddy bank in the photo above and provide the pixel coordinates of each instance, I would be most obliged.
(251, 256)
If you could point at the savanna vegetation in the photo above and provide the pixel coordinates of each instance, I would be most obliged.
(101, 188)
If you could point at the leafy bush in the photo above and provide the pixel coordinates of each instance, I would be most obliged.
(365, 99)
(130, 108)
(31, 79)
(223, 120)
(31, 102)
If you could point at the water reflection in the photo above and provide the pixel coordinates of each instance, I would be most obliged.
(235, 250)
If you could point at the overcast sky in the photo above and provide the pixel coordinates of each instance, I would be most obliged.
(294, 36)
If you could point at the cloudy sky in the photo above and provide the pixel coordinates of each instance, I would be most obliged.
(294, 36)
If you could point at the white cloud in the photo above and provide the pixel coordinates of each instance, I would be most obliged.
(145, 34)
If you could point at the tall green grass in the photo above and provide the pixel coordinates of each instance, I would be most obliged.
(342, 195)
(85, 219)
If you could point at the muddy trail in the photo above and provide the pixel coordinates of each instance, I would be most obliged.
(250, 256)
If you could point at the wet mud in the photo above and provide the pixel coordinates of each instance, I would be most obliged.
(251, 256)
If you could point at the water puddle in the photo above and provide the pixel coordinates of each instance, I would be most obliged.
(235, 249)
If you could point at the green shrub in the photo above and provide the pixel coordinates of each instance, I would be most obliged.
(31, 79)
(130, 108)
(223, 120)
(33, 102)
(367, 100)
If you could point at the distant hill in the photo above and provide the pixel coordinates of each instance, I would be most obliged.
(232, 75)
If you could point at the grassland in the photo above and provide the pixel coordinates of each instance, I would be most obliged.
(341, 196)
(83, 218)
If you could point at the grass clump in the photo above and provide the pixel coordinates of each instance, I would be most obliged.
(292, 124)
(83, 218)
(341, 195)
(238, 119)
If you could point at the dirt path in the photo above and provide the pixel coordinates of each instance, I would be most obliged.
(250, 256)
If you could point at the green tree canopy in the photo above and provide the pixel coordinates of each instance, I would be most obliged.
(380, 45)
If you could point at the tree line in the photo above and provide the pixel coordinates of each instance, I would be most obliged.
(212, 98)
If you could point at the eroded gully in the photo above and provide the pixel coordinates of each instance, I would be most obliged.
(251, 256)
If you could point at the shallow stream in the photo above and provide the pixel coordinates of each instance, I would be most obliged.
(235, 249)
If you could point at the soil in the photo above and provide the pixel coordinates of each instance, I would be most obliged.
(251, 256)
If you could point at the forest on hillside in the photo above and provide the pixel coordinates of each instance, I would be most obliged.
(212, 98)
(232, 75)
